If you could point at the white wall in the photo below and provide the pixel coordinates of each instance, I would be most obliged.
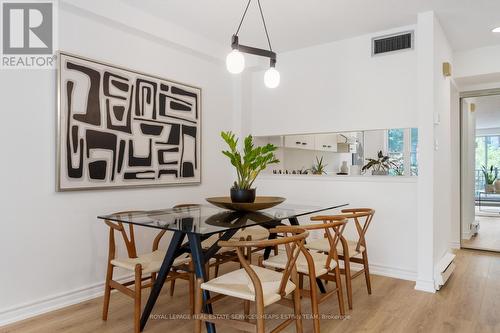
(455, 170)
(340, 87)
(391, 241)
(437, 152)
(56, 248)
(335, 87)
(442, 155)
(468, 168)
(475, 62)
(425, 111)
(477, 69)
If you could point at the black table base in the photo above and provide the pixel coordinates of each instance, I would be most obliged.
(170, 256)
(200, 258)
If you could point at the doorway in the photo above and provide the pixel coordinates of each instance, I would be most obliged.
(480, 170)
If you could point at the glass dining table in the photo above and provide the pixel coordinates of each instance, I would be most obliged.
(197, 223)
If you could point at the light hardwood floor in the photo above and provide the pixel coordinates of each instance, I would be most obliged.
(470, 302)
(488, 237)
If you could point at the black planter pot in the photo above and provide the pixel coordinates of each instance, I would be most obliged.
(242, 196)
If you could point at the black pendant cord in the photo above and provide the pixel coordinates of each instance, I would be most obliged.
(265, 26)
(243, 17)
(263, 21)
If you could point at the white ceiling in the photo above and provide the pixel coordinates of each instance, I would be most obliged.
(487, 111)
(295, 24)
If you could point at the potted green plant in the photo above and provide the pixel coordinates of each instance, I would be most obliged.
(319, 167)
(490, 175)
(248, 164)
(380, 166)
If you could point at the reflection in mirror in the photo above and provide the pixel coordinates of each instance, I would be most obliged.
(376, 152)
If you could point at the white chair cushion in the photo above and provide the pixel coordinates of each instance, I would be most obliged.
(238, 284)
(150, 262)
(280, 261)
(207, 243)
(257, 233)
(324, 246)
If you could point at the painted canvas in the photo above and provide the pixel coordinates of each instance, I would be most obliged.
(122, 128)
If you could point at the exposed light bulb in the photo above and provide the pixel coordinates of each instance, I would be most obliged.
(497, 29)
(272, 78)
(235, 62)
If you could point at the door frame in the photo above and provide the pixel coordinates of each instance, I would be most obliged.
(463, 95)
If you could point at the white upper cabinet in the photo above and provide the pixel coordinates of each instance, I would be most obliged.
(264, 140)
(300, 141)
(319, 142)
(326, 142)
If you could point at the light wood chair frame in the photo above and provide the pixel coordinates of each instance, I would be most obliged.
(294, 245)
(180, 272)
(333, 228)
(362, 218)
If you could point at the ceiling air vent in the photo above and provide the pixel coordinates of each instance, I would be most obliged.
(391, 43)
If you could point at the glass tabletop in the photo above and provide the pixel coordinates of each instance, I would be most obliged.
(207, 219)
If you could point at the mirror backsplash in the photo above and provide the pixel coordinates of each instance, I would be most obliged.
(392, 152)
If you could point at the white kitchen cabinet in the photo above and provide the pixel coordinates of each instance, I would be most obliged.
(264, 140)
(326, 142)
(300, 141)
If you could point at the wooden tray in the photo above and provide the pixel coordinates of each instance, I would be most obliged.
(258, 204)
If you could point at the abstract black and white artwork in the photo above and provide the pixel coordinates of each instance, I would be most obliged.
(121, 128)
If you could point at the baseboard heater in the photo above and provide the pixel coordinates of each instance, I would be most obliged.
(444, 268)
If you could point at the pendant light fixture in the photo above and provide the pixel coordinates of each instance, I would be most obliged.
(235, 61)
